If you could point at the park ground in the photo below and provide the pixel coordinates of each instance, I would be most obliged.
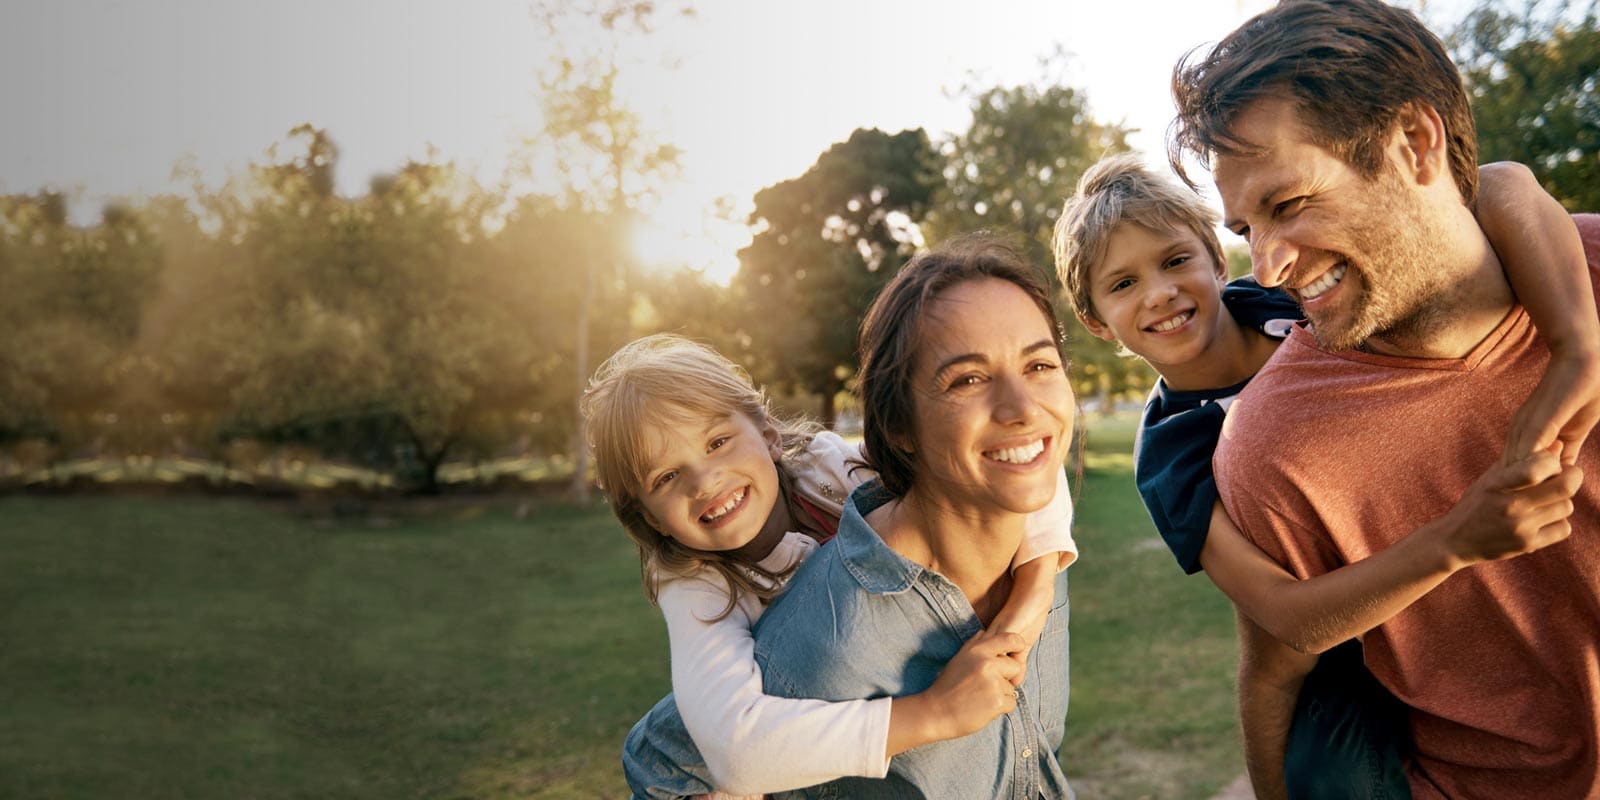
(477, 647)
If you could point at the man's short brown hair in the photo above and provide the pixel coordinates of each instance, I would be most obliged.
(1349, 65)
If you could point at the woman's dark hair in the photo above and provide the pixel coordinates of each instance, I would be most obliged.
(892, 332)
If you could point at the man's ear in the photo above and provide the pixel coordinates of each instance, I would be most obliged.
(1422, 143)
(1096, 328)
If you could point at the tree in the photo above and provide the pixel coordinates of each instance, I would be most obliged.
(825, 243)
(1534, 76)
(1010, 172)
(607, 157)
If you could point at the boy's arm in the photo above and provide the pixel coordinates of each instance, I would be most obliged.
(1508, 511)
(1543, 257)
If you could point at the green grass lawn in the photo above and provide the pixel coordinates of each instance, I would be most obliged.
(208, 648)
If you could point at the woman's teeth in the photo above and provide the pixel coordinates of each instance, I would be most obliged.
(1017, 455)
(716, 513)
(1328, 280)
(1172, 324)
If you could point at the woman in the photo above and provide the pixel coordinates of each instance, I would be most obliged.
(968, 417)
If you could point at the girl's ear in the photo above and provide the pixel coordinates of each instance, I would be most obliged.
(769, 432)
(1096, 328)
(651, 520)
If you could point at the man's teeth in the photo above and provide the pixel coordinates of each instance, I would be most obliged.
(1172, 324)
(1018, 455)
(1328, 280)
(716, 513)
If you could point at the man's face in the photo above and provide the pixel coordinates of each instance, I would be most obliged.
(1352, 251)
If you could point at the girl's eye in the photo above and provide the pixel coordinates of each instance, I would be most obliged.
(664, 479)
(1122, 284)
(718, 442)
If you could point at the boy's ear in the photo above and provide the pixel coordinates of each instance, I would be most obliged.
(1422, 144)
(1097, 328)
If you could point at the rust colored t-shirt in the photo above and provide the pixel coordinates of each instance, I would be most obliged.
(1327, 458)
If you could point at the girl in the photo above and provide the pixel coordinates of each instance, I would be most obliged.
(724, 501)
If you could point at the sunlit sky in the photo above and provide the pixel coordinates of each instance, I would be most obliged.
(105, 97)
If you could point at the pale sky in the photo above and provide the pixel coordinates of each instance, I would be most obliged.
(105, 97)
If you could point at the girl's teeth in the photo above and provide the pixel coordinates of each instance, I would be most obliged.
(716, 513)
(1328, 280)
(1172, 324)
(1018, 455)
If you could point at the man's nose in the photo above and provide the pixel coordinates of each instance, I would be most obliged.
(1270, 259)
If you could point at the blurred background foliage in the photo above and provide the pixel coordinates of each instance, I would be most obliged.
(435, 330)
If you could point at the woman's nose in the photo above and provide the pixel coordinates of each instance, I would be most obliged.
(1013, 402)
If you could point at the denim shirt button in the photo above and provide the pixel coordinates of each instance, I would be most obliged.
(1027, 752)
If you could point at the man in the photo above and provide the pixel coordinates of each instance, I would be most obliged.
(1342, 146)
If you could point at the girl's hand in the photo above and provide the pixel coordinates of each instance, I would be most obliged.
(1033, 590)
(1512, 510)
(1562, 409)
(971, 690)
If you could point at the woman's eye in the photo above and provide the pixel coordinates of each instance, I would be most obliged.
(965, 380)
(1043, 366)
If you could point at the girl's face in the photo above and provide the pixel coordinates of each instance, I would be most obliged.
(992, 408)
(711, 485)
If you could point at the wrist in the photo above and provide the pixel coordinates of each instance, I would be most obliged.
(913, 722)
(1436, 542)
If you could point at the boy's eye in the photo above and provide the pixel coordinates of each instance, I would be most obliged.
(1177, 261)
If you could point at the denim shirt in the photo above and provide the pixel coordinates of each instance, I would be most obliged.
(859, 620)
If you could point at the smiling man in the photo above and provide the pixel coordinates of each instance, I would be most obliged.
(1342, 146)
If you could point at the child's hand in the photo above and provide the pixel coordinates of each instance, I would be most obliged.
(1512, 510)
(1562, 409)
(1032, 592)
(979, 683)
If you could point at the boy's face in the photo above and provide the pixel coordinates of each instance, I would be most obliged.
(711, 485)
(1159, 293)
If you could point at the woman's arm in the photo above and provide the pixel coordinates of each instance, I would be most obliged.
(753, 742)
(1509, 511)
(1542, 255)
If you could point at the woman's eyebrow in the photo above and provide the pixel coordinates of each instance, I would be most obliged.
(977, 358)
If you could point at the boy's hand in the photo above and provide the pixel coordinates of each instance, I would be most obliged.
(1512, 510)
(1562, 409)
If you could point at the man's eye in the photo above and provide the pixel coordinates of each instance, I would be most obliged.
(1289, 206)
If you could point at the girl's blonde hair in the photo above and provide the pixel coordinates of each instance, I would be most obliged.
(668, 380)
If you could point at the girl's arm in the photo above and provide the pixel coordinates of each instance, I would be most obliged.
(754, 743)
(1543, 257)
(1509, 511)
(1047, 548)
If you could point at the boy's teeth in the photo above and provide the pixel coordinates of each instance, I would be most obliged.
(1172, 324)
(716, 513)
(1018, 455)
(1328, 280)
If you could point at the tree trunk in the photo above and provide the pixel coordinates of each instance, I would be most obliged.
(829, 409)
(580, 443)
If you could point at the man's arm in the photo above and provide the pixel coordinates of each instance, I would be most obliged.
(1270, 675)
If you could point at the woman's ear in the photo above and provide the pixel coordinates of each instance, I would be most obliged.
(1096, 328)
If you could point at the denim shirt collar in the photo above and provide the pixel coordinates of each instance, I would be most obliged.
(875, 565)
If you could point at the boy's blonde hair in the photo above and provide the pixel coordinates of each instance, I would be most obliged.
(669, 380)
(1119, 189)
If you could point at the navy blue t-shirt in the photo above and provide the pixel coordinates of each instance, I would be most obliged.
(1179, 431)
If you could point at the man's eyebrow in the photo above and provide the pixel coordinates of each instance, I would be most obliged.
(1264, 199)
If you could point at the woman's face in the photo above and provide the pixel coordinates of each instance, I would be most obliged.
(992, 408)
